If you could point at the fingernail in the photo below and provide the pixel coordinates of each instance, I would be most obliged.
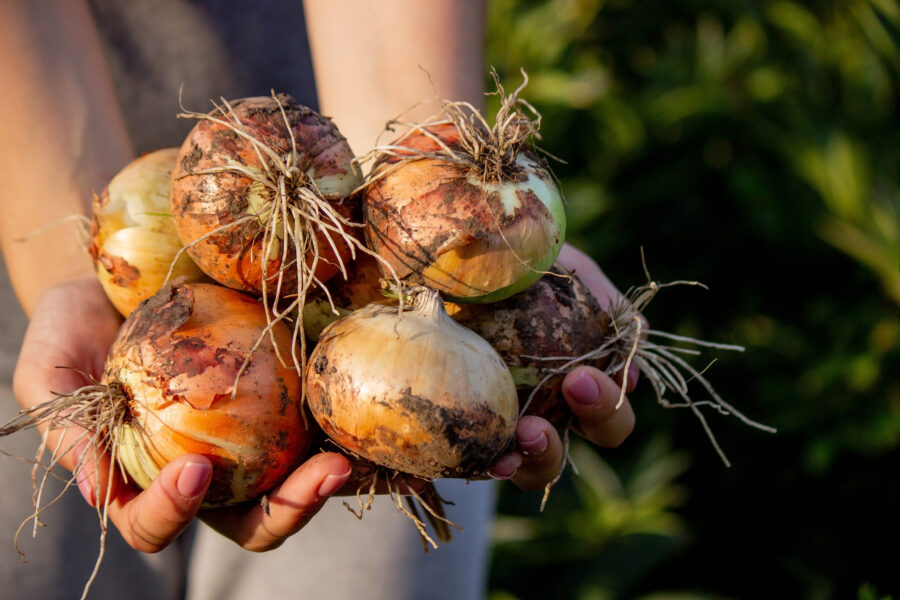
(506, 467)
(583, 390)
(332, 484)
(192, 479)
(535, 445)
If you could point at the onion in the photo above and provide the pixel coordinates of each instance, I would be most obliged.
(259, 182)
(417, 393)
(194, 370)
(556, 317)
(464, 208)
(557, 325)
(133, 239)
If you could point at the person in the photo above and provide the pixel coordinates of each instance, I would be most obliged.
(90, 83)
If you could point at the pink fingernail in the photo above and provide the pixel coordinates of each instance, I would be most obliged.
(536, 445)
(332, 484)
(506, 467)
(583, 390)
(192, 479)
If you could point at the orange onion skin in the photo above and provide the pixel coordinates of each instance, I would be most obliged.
(177, 359)
(439, 224)
(555, 317)
(204, 202)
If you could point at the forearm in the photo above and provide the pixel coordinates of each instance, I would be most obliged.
(63, 138)
(375, 60)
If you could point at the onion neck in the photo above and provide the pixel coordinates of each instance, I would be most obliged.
(430, 304)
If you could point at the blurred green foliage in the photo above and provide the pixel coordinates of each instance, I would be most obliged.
(753, 146)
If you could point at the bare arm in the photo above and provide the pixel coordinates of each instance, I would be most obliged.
(375, 60)
(63, 138)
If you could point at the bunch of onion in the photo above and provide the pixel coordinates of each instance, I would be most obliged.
(260, 198)
(414, 392)
(467, 208)
(133, 241)
(557, 324)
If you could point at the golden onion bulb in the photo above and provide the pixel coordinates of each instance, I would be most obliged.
(443, 223)
(133, 238)
(198, 369)
(417, 393)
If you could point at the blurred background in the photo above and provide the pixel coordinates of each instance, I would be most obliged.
(752, 146)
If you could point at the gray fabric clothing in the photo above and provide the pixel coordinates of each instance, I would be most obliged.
(337, 556)
(219, 48)
(205, 49)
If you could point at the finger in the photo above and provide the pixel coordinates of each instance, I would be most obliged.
(290, 506)
(590, 274)
(592, 397)
(631, 381)
(542, 453)
(149, 520)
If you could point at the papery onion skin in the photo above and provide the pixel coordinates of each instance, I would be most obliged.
(204, 202)
(556, 317)
(417, 393)
(133, 238)
(440, 224)
(177, 359)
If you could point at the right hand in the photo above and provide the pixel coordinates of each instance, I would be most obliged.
(73, 326)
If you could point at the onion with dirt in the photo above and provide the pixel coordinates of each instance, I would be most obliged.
(196, 368)
(414, 392)
(557, 325)
(260, 196)
(134, 244)
(556, 317)
(469, 209)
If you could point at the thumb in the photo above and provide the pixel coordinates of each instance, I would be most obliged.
(149, 520)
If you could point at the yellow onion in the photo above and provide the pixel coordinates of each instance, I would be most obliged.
(464, 207)
(133, 238)
(417, 393)
(445, 224)
(178, 361)
(260, 195)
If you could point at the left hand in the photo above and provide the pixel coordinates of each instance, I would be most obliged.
(591, 395)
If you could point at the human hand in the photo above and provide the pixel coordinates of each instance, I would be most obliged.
(591, 395)
(73, 325)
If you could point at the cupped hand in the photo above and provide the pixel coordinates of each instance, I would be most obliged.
(73, 326)
(591, 395)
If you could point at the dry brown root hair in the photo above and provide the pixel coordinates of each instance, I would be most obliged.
(429, 499)
(98, 411)
(660, 362)
(489, 150)
(297, 211)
